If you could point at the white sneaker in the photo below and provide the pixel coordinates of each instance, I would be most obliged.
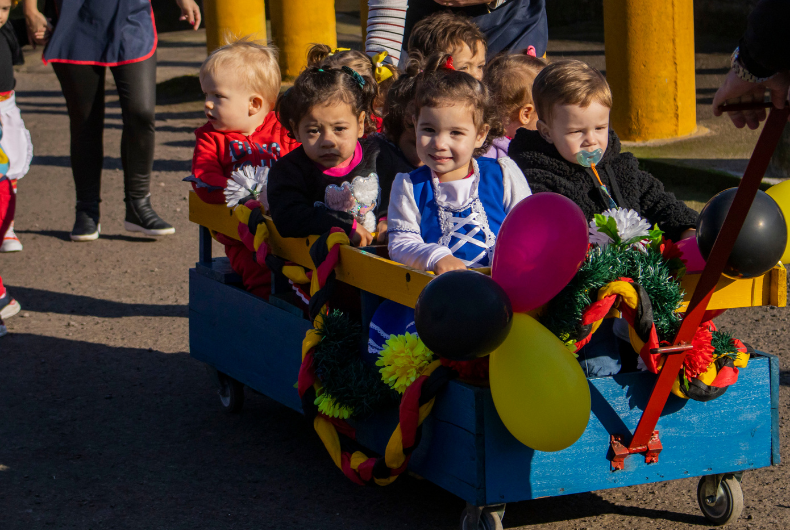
(10, 309)
(10, 243)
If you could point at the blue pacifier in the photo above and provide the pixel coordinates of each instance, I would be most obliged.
(588, 158)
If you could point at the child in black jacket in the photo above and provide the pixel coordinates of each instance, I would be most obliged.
(573, 102)
(574, 153)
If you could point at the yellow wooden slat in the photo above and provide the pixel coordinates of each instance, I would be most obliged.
(403, 285)
(778, 286)
(216, 217)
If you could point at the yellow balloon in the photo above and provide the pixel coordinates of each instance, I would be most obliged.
(539, 389)
(781, 194)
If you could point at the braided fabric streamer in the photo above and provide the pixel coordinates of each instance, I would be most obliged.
(416, 403)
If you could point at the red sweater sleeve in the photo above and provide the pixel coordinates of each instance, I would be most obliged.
(209, 179)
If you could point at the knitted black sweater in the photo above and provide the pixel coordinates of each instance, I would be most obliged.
(546, 170)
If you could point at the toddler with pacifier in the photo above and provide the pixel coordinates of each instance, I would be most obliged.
(574, 153)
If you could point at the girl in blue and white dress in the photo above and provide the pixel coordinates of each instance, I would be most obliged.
(446, 214)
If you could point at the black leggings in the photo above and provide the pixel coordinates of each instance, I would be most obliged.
(83, 87)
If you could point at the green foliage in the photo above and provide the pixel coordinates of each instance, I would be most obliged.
(607, 264)
(723, 345)
(347, 379)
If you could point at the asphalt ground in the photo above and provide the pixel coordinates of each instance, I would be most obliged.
(106, 422)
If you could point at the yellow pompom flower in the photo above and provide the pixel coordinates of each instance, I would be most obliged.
(402, 360)
(328, 406)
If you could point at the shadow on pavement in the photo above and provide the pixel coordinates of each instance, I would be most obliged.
(64, 235)
(43, 301)
(582, 505)
(98, 436)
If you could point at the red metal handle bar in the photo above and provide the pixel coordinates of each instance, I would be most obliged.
(752, 105)
(758, 163)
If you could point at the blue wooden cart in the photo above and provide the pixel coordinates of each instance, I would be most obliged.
(465, 448)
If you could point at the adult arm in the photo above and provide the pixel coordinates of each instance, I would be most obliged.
(406, 244)
(386, 20)
(293, 211)
(189, 12)
(764, 52)
(466, 3)
(38, 26)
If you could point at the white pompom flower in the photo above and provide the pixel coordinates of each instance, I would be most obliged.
(630, 225)
(246, 181)
(621, 226)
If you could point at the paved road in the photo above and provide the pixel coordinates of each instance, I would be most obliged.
(105, 421)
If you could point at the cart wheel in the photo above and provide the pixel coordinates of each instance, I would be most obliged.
(487, 521)
(231, 393)
(726, 505)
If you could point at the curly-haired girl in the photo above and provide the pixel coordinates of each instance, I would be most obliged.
(331, 180)
(446, 214)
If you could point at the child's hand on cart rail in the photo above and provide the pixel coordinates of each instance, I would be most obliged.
(449, 263)
(361, 237)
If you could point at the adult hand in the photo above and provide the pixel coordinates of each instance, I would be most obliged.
(736, 90)
(189, 12)
(38, 27)
(461, 3)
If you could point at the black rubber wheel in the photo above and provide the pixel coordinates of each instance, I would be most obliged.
(726, 506)
(487, 521)
(231, 393)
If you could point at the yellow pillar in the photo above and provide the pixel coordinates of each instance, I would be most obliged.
(363, 20)
(650, 67)
(233, 18)
(298, 23)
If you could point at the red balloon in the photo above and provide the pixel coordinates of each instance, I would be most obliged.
(540, 247)
(691, 255)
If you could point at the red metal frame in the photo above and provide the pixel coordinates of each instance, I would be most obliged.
(645, 438)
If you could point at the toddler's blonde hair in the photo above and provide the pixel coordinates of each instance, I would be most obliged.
(569, 82)
(254, 63)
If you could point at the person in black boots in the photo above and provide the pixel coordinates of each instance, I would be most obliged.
(88, 36)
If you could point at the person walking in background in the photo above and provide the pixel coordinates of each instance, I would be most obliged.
(760, 63)
(509, 25)
(88, 36)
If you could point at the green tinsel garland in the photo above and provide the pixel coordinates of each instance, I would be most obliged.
(723, 345)
(604, 265)
(347, 379)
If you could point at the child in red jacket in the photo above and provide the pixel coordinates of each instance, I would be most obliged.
(241, 81)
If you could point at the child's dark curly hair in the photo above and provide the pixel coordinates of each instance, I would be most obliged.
(441, 86)
(322, 56)
(321, 86)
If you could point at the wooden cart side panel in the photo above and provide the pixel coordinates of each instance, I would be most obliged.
(245, 337)
(450, 453)
(776, 458)
(779, 286)
(731, 433)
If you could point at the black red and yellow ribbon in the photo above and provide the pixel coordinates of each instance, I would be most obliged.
(707, 375)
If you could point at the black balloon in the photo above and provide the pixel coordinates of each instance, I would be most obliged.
(462, 315)
(761, 241)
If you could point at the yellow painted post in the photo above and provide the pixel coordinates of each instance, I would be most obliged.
(363, 20)
(298, 23)
(650, 67)
(233, 18)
